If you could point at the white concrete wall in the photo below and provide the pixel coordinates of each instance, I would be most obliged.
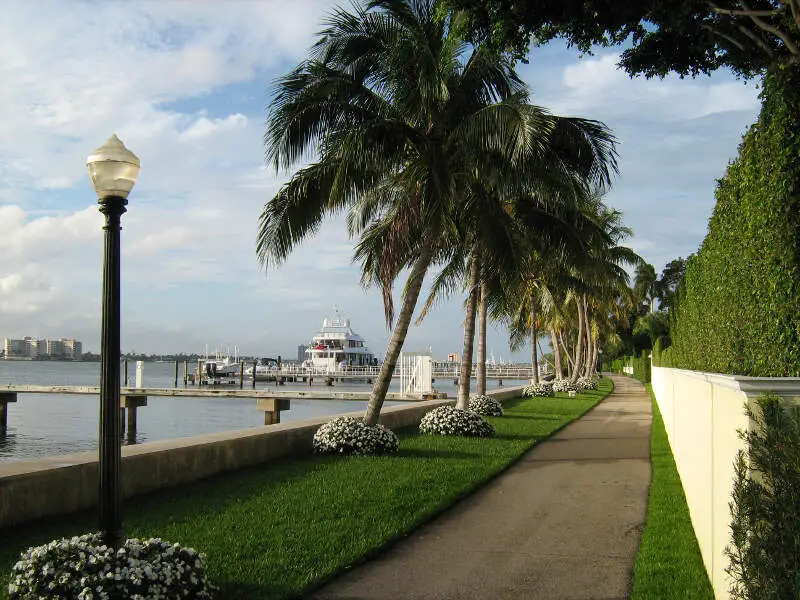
(702, 413)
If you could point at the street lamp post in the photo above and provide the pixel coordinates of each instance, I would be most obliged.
(113, 170)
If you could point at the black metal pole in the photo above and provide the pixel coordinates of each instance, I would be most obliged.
(110, 451)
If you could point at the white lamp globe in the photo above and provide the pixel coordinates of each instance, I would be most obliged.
(113, 169)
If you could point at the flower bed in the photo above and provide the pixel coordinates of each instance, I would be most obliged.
(588, 383)
(449, 420)
(84, 568)
(485, 406)
(565, 385)
(350, 435)
(540, 390)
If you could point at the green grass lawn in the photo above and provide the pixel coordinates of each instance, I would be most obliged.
(281, 529)
(668, 564)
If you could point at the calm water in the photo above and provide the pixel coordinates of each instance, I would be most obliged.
(49, 424)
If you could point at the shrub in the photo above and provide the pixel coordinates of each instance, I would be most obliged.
(540, 390)
(350, 435)
(565, 385)
(765, 521)
(587, 383)
(485, 406)
(83, 567)
(449, 420)
(738, 306)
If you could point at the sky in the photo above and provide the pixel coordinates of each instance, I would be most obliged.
(186, 84)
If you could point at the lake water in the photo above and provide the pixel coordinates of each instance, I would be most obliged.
(51, 424)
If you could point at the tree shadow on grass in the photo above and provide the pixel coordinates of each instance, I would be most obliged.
(533, 417)
(428, 453)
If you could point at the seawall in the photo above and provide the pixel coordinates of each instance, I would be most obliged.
(65, 484)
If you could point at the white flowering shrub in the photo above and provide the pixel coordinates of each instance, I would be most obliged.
(350, 435)
(565, 385)
(83, 568)
(449, 420)
(541, 390)
(588, 383)
(485, 406)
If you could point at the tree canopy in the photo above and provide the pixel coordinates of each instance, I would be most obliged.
(687, 37)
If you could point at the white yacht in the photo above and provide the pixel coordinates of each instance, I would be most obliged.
(336, 347)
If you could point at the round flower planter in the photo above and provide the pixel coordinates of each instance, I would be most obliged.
(350, 435)
(85, 568)
(486, 406)
(448, 420)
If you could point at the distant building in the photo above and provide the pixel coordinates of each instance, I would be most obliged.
(29, 347)
(73, 349)
(55, 348)
(453, 358)
(301, 352)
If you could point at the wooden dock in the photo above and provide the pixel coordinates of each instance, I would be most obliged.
(207, 391)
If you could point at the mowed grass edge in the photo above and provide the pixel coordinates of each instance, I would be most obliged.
(282, 529)
(668, 563)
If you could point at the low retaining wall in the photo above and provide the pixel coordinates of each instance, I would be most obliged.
(702, 413)
(64, 484)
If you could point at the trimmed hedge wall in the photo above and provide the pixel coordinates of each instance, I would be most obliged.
(738, 310)
(640, 364)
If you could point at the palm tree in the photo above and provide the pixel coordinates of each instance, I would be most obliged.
(395, 109)
(646, 285)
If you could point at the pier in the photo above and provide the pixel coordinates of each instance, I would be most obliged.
(272, 403)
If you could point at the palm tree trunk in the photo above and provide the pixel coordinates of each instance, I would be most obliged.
(534, 356)
(410, 296)
(465, 374)
(481, 387)
(465, 370)
(556, 354)
(587, 368)
(576, 371)
(567, 353)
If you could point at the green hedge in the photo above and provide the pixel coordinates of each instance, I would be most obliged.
(738, 310)
(640, 364)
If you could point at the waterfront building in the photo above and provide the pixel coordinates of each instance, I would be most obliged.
(31, 348)
(27, 347)
(301, 353)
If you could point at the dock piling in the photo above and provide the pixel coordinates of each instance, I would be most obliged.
(176, 373)
(272, 408)
(129, 403)
(185, 372)
(5, 399)
(241, 374)
(254, 374)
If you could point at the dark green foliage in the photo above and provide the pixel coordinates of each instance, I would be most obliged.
(668, 563)
(281, 529)
(641, 367)
(661, 36)
(669, 282)
(662, 358)
(739, 308)
(640, 364)
(765, 525)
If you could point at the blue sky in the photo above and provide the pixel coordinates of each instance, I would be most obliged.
(185, 85)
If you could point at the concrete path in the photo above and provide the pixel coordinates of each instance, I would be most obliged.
(563, 523)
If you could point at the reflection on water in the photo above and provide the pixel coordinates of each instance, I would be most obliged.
(50, 424)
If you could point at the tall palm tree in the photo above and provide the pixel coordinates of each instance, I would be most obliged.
(646, 285)
(396, 111)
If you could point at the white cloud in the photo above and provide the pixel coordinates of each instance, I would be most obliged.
(204, 127)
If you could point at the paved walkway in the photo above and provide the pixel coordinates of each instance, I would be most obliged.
(563, 523)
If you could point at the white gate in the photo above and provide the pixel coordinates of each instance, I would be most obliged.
(416, 373)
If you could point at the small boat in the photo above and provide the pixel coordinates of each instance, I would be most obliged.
(221, 369)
